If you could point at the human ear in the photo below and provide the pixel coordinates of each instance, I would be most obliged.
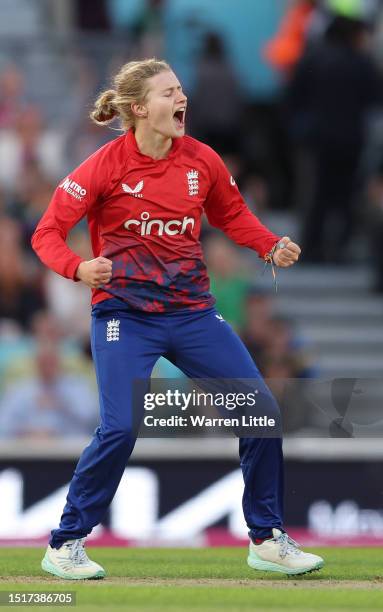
(139, 110)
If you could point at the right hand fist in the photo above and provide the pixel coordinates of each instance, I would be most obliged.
(95, 272)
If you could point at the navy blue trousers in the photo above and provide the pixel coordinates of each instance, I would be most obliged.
(202, 346)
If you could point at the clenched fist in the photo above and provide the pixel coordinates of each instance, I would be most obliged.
(95, 272)
(286, 253)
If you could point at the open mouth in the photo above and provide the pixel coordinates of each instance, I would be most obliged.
(179, 117)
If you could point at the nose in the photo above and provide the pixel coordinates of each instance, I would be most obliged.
(182, 99)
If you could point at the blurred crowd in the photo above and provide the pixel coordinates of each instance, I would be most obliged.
(314, 149)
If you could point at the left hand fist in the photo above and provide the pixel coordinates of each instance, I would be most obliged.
(287, 255)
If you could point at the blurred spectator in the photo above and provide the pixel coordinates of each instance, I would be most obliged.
(256, 329)
(141, 25)
(18, 349)
(29, 202)
(255, 191)
(19, 297)
(148, 30)
(287, 46)
(279, 367)
(82, 136)
(216, 107)
(229, 281)
(50, 404)
(275, 346)
(47, 328)
(305, 21)
(287, 350)
(91, 15)
(12, 97)
(85, 139)
(30, 143)
(331, 92)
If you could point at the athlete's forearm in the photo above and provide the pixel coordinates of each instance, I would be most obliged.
(49, 244)
(245, 229)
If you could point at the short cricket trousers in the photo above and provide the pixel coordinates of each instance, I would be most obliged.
(200, 344)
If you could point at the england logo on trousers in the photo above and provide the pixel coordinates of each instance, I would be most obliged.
(113, 330)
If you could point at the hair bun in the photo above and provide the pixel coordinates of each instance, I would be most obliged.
(104, 108)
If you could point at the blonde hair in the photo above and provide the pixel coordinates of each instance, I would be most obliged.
(129, 86)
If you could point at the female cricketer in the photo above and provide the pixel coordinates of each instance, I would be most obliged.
(144, 194)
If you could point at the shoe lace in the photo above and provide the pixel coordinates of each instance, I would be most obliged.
(77, 552)
(287, 545)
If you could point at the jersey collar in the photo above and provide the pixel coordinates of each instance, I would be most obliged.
(133, 148)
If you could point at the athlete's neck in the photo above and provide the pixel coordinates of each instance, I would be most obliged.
(151, 143)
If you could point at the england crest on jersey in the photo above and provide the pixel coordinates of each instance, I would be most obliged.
(193, 185)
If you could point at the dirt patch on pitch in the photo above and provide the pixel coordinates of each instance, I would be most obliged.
(287, 583)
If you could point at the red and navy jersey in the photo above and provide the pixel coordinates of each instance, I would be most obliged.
(145, 216)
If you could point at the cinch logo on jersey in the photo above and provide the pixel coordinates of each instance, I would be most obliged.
(170, 228)
(73, 188)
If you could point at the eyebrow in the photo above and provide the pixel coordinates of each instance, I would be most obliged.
(172, 88)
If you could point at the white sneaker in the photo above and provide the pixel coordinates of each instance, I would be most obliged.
(282, 554)
(70, 561)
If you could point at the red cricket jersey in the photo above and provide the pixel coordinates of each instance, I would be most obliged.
(145, 215)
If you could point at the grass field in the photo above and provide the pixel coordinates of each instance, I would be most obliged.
(178, 580)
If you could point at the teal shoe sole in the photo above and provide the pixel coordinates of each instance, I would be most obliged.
(47, 566)
(267, 566)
